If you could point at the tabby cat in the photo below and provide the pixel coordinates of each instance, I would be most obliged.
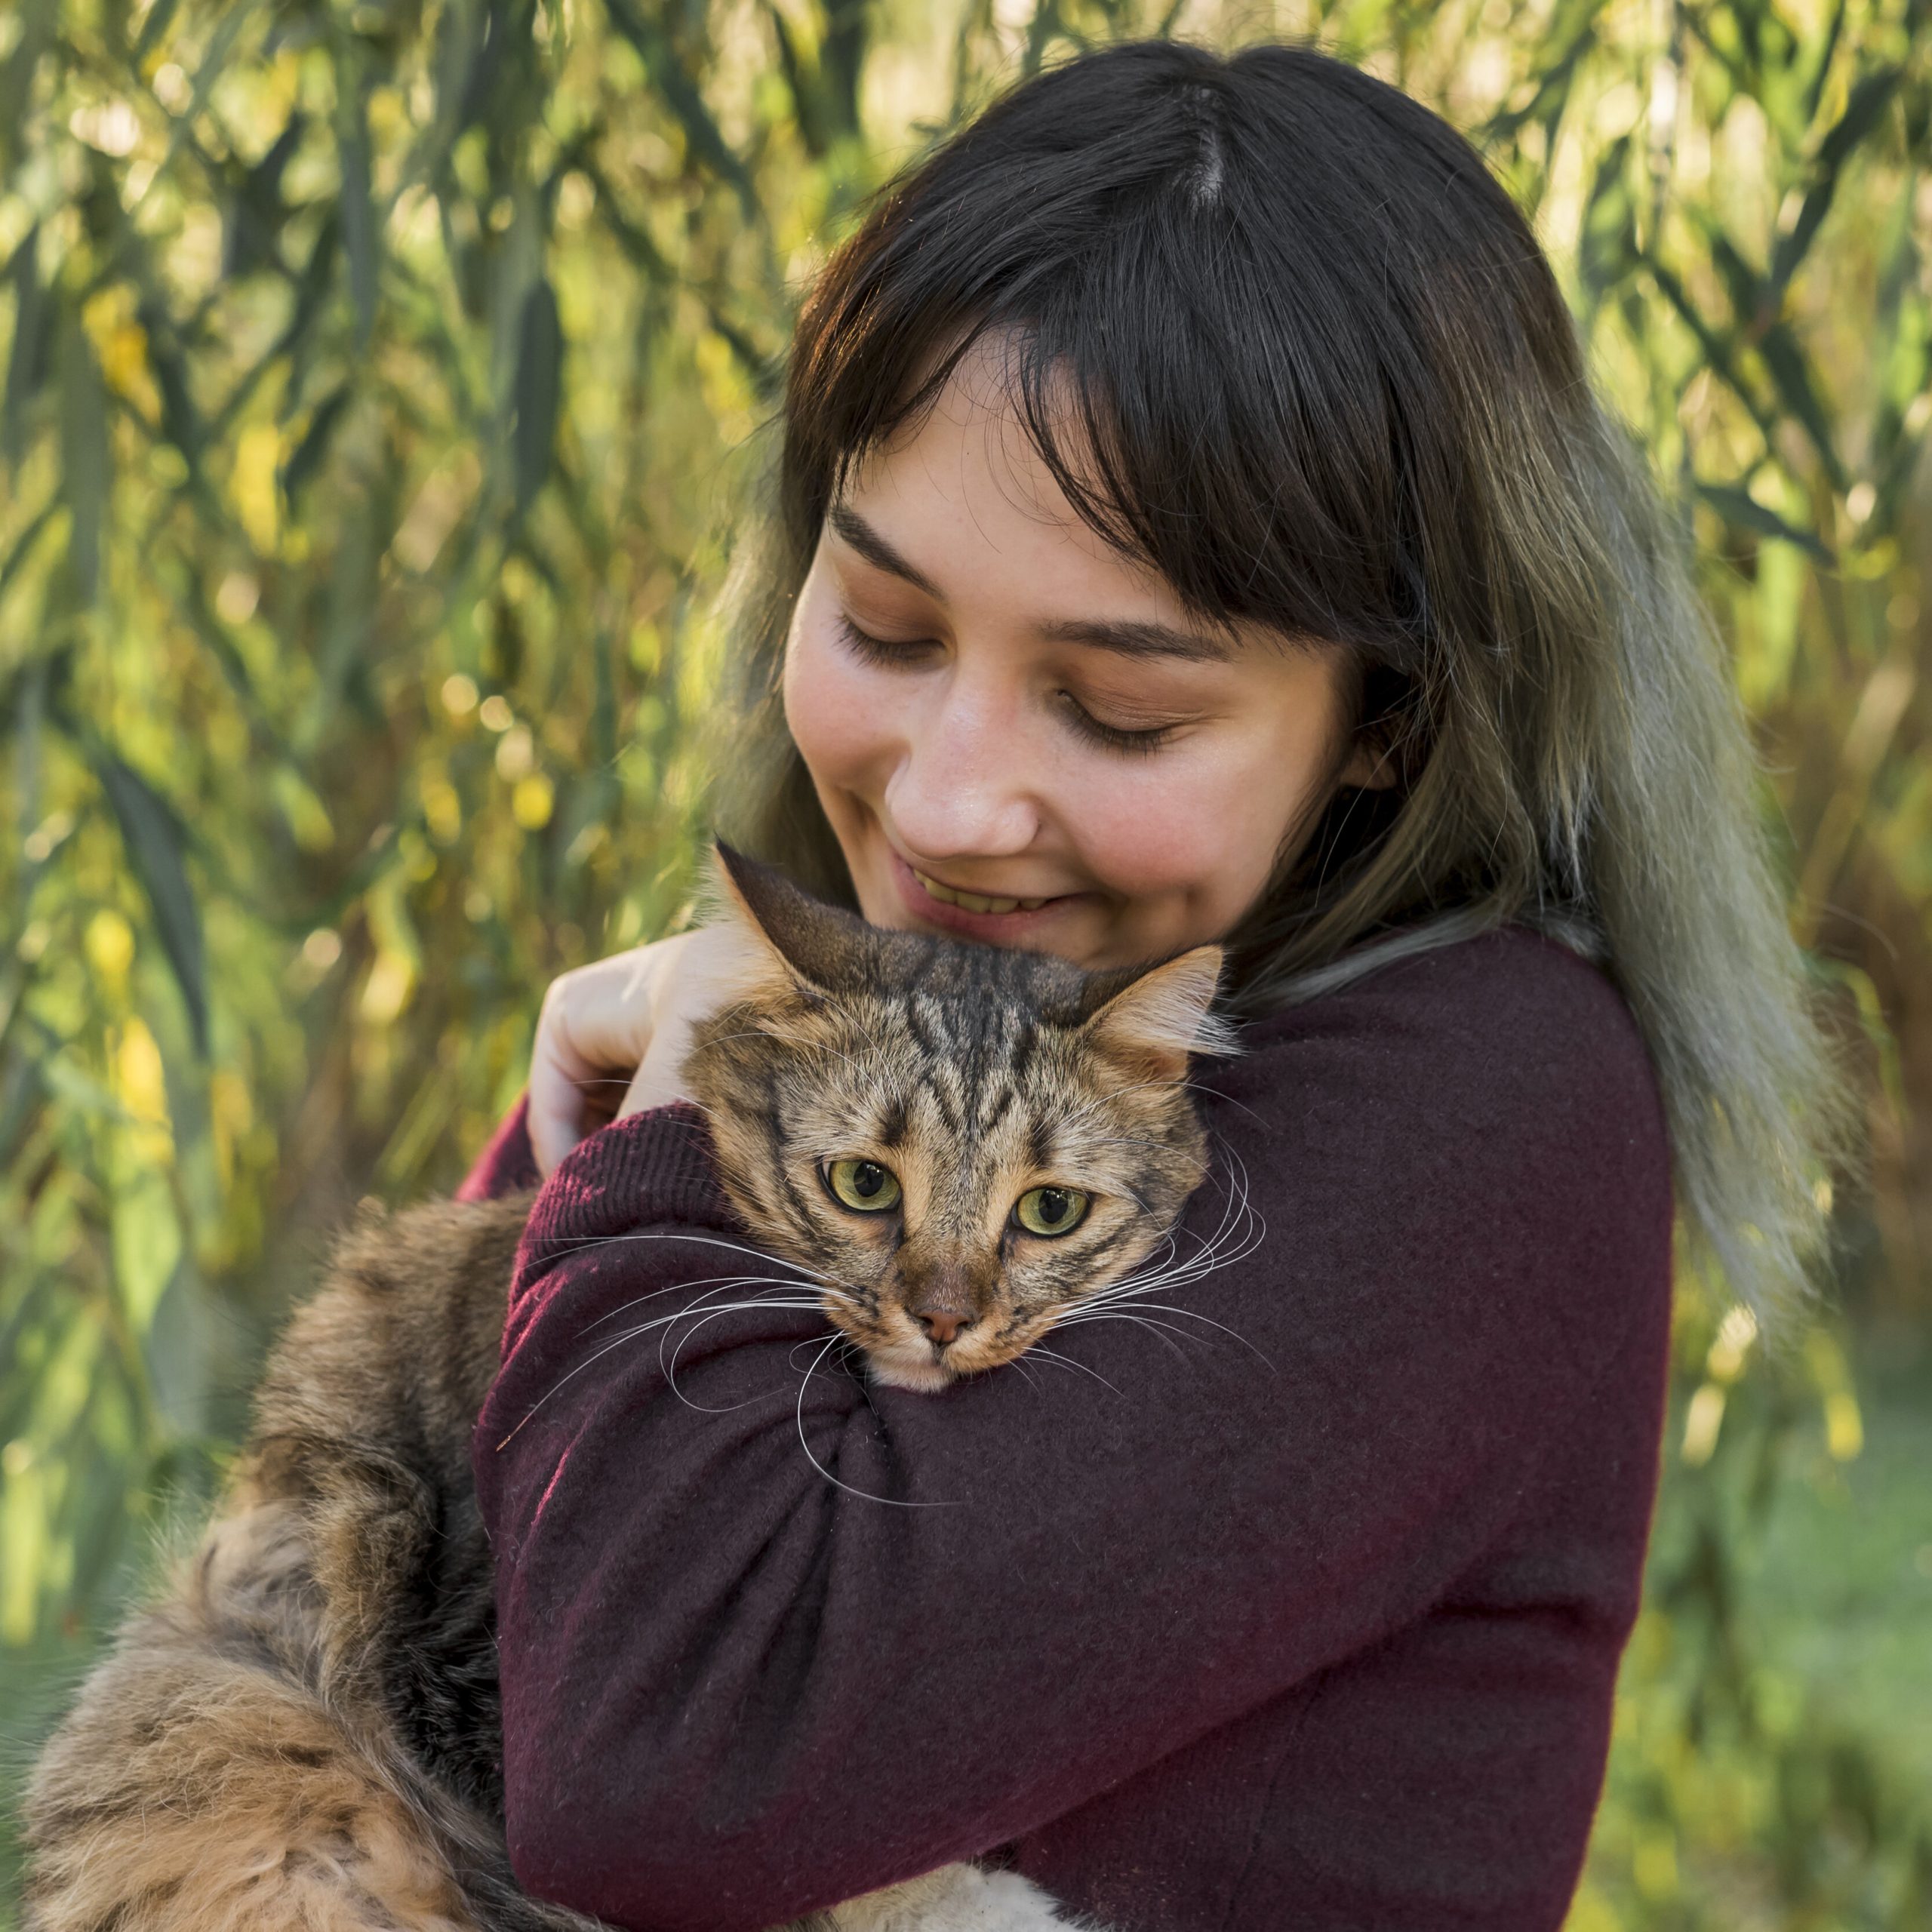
(301, 1730)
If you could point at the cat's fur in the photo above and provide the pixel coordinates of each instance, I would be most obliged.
(301, 1731)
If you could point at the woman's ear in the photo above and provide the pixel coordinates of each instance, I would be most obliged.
(1370, 766)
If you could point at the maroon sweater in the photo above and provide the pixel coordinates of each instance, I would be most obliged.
(1313, 1628)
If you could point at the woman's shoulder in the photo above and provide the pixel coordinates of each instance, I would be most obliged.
(1487, 1106)
(1491, 1022)
(1463, 1153)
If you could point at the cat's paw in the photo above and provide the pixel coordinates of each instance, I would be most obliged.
(956, 1898)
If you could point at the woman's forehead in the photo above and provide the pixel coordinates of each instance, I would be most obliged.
(961, 506)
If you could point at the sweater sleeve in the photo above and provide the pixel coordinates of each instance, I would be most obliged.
(508, 1162)
(771, 1636)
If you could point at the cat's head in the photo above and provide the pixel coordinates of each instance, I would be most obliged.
(961, 1143)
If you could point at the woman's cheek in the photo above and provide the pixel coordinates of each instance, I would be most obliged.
(1191, 835)
(837, 709)
(1203, 822)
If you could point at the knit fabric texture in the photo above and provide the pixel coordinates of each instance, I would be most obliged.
(1290, 1600)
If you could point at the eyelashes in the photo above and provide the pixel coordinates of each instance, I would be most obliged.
(878, 650)
(894, 655)
(1137, 742)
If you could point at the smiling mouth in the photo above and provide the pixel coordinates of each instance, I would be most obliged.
(973, 902)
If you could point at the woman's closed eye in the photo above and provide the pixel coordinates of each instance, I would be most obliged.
(1084, 714)
(1115, 737)
(883, 649)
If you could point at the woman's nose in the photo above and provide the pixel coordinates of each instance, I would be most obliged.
(965, 786)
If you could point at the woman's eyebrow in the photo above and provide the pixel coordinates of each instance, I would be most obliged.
(1136, 637)
(877, 551)
(1130, 637)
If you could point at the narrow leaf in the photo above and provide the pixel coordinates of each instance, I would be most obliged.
(358, 215)
(85, 460)
(681, 96)
(26, 361)
(1738, 506)
(1870, 97)
(539, 378)
(155, 844)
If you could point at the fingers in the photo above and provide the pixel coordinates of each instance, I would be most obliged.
(593, 1032)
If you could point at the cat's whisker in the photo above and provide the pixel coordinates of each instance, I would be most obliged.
(864, 1496)
(1167, 1330)
(703, 1308)
(709, 1241)
(715, 1282)
(880, 1068)
(1109, 1098)
(1143, 1140)
(1227, 1100)
(1191, 1314)
(1045, 1353)
(670, 1366)
(557, 1385)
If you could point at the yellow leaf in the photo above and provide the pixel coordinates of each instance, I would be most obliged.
(532, 802)
(252, 486)
(1844, 1427)
(386, 990)
(110, 946)
(139, 1079)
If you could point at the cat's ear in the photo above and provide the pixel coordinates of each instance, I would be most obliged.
(792, 938)
(1160, 1016)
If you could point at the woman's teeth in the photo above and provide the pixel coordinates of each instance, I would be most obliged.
(974, 902)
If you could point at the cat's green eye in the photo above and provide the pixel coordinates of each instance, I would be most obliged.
(1050, 1210)
(863, 1185)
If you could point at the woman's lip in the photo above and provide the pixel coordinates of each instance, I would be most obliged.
(962, 919)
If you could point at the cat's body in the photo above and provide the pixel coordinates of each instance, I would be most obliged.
(301, 1730)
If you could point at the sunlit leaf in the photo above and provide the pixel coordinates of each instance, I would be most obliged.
(155, 844)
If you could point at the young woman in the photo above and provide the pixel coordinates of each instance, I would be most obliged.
(1194, 524)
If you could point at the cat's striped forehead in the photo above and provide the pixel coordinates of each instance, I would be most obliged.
(975, 1062)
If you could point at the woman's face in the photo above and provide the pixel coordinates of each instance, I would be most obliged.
(1020, 737)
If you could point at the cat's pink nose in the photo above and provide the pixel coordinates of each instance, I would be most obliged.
(944, 1325)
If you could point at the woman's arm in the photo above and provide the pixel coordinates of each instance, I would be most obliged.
(771, 1637)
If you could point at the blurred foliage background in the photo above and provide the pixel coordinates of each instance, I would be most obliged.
(381, 378)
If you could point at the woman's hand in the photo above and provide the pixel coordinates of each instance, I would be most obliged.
(622, 1026)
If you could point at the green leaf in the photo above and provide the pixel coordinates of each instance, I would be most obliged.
(308, 454)
(1739, 507)
(85, 461)
(1870, 96)
(1607, 245)
(1791, 371)
(360, 242)
(17, 74)
(181, 421)
(27, 359)
(540, 360)
(155, 844)
(256, 213)
(681, 96)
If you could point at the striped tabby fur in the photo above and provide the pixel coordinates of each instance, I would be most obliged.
(299, 1732)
